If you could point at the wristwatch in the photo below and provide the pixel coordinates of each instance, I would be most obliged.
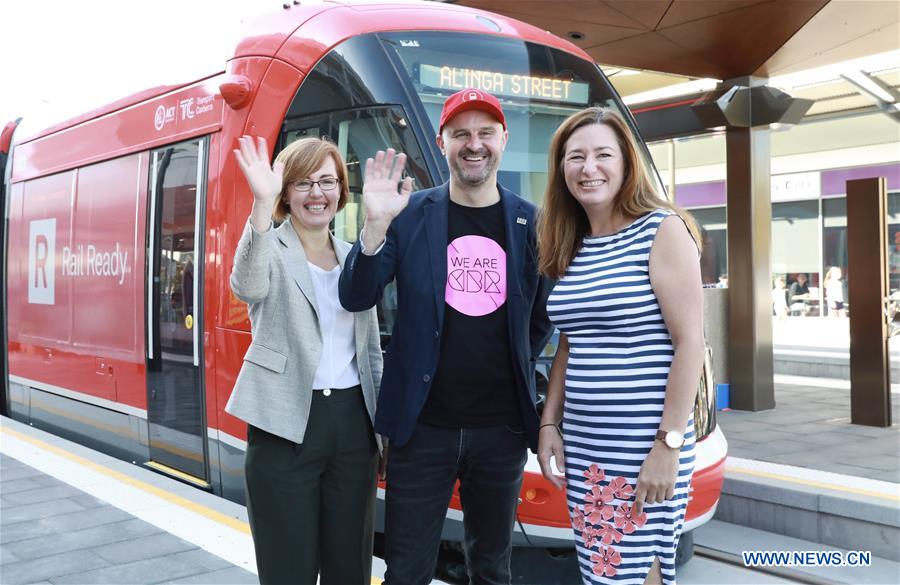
(671, 439)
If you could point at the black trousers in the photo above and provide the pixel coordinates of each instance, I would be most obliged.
(488, 462)
(311, 506)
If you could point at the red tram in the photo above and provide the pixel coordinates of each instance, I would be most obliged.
(121, 330)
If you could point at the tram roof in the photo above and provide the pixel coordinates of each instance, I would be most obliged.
(325, 23)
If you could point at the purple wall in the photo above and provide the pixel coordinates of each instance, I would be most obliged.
(834, 184)
(698, 194)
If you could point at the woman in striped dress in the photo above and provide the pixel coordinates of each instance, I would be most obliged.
(628, 306)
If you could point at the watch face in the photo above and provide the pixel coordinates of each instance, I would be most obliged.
(674, 440)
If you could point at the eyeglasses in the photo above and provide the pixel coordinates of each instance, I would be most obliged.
(326, 184)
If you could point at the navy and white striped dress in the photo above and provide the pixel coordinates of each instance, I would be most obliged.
(619, 357)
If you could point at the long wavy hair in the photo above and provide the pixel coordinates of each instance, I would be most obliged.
(563, 223)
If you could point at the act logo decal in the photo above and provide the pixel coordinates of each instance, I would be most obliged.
(42, 262)
(163, 116)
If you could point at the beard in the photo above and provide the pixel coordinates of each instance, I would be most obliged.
(476, 178)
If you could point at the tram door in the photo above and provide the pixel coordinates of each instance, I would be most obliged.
(175, 393)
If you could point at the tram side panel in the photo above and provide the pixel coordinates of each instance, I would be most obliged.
(76, 305)
(274, 85)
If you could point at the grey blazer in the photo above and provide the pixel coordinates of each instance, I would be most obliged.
(273, 390)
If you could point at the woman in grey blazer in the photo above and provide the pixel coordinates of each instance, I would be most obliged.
(309, 382)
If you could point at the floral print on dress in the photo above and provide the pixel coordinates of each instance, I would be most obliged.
(601, 523)
(620, 488)
(608, 534)
(627, 522)
(605, 561)
(594, 474)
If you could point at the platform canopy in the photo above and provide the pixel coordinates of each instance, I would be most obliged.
(719, 39)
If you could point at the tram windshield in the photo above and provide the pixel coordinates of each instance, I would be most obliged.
(354, 96)
(538, 86)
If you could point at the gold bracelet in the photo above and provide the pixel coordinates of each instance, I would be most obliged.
(555, 425)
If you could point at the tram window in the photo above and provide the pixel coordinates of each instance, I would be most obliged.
(538, 86)
(176, 243)
(359, 134)
(387, 89)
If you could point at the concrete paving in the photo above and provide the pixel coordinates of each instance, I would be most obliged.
(51, 532)
(802, 470)
(810, 427)
(733, 540)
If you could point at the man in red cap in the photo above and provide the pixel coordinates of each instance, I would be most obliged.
(458, 391)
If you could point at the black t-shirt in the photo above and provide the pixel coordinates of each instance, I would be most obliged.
(474, 385)
(797, 289)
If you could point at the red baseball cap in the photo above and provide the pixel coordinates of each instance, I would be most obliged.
(471, 99)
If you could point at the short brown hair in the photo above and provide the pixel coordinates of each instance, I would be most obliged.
(302, 158)
(563, 222)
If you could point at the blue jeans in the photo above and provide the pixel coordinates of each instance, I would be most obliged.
(488, 462)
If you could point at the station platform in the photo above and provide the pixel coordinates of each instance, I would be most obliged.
(73, 515)
(803, 471)
(797, 476)
(69, 514)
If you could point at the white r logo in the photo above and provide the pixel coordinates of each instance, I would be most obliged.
(42, 262)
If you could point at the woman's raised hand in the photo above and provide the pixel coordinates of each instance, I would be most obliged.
(383, 198)
(265, 181)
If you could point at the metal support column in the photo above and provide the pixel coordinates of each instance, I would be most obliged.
(867, 284)
(670, 176)
(749, 268)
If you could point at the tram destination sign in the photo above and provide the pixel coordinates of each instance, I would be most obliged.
(505, 84)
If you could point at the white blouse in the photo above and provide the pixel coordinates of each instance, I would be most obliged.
(337, 366)
(834, 290)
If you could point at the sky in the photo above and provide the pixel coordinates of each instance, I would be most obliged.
(60, 58)
(64, 57)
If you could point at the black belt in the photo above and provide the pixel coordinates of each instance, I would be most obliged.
(328, 391)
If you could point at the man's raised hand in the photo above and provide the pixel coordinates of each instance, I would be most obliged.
(384, 194)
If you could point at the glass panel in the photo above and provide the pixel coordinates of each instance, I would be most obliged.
(834, 239)
(714, 231)
(795, 232)
(359, 134)
(795, 254)
(539, 87)
(176, 252)
(894, 243)
(700, 158)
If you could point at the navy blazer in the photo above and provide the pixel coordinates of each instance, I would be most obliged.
(415, 252)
